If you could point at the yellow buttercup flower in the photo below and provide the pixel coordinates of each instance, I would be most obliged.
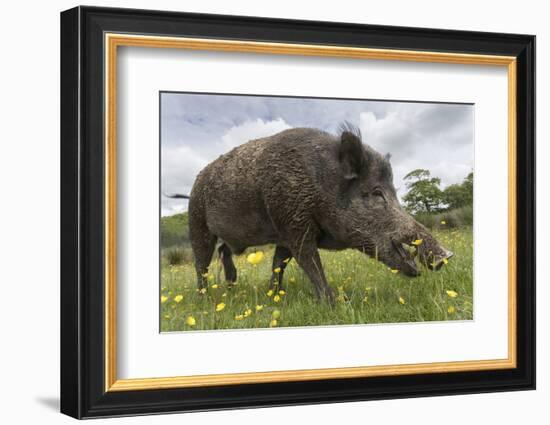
(247, 312)
(394, 271)
(255, 257)
(190, 321)
(292, 280)
(215, 286)
(445, 261)
(282, 292)
(402, 301)
(452, 294)
(276, 314)
(417, 242)
(259, 307)
(277, 270)
(276, 298)
(443, 222)
(220, 306)
(239, 317)
(366, 299)
(273, 323)
(166, 316)
(201, 291)
(178, 298)
(451, 310)
(270, 293)
(163, 299)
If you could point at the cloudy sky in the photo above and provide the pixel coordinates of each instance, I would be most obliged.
(197, 128)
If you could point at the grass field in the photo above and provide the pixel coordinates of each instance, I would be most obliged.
(367, 292)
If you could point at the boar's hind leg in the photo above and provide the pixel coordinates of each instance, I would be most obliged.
(203, 244)
(279, 264)
(229, 269)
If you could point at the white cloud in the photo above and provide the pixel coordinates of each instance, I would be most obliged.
(181, 162)
(421, 136)
(179, 168)
(250, 130)
(385, 134)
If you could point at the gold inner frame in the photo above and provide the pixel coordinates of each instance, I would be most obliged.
(113, 41)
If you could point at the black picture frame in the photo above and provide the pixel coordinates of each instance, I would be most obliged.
(83, 392)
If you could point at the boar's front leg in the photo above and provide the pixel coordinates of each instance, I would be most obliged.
(280, 260)
(310, 261)
(307, 257)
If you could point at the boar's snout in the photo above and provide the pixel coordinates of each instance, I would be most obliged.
(427, 251)
(432, 254)
(438, 262)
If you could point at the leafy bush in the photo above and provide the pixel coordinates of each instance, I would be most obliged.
(177, 255)
(424, 196)
(459, 195)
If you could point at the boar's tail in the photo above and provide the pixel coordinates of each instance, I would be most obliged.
(176, 196)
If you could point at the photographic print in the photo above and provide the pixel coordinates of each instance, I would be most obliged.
(322, 190)
(286, 211)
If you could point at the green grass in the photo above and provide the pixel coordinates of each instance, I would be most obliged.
(367, 292)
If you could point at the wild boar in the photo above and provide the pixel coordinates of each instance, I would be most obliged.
(304, 189)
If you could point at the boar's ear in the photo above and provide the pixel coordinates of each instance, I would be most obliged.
(351, 155)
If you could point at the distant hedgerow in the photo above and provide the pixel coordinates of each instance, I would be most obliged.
(459, 217)
(176, 256)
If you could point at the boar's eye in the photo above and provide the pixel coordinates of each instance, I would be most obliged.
(374, 195)
(378, 192)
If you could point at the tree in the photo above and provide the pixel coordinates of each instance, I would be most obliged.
(424, 194)
(460, 195)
